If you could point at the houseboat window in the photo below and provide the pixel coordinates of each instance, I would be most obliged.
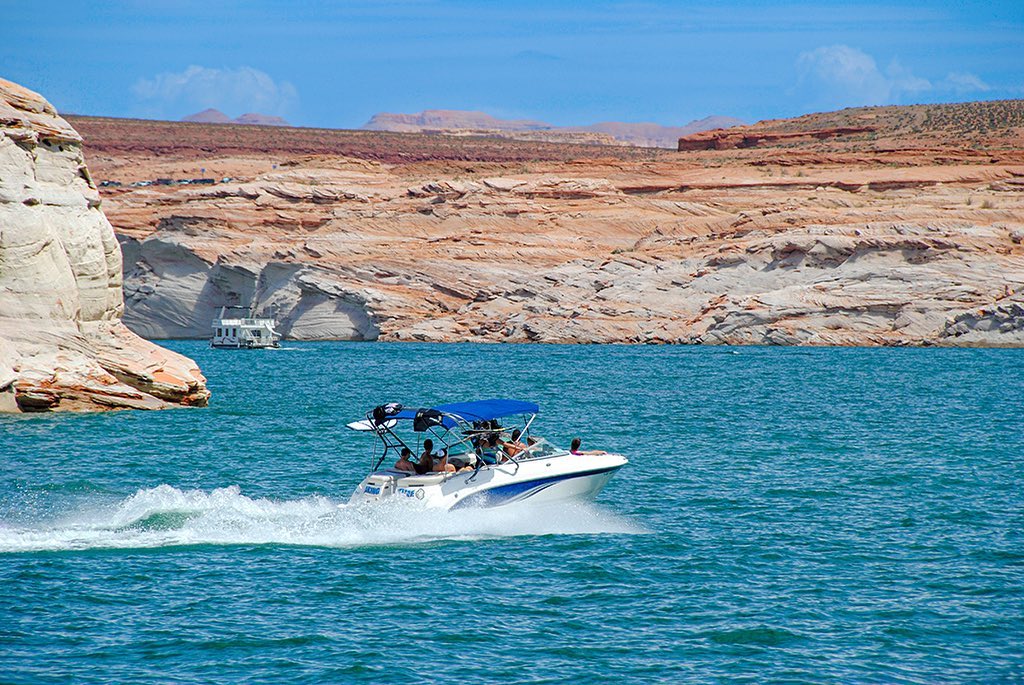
(219, 333)
(234, 331)
(258, 333)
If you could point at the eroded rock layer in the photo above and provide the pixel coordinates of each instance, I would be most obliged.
(62, 344)
(895, 236)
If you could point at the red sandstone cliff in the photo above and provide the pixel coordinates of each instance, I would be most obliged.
(910, 234)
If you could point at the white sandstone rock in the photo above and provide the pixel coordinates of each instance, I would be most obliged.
(62, 344)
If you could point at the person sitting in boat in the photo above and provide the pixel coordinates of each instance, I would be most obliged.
(432, 463)
(513, 447)
(461, 463)
(441, 464)
(426, 460)
(404, 462)
(487, 452)
(574, 448)
(478, 434)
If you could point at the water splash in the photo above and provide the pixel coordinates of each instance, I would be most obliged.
(166, 516)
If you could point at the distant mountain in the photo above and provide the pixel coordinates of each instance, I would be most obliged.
(256, 119)
(209, 116)
(441, 119)
(215, 116)
(656, 135)
(480, 123)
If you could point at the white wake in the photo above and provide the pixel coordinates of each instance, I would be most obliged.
(166, 516)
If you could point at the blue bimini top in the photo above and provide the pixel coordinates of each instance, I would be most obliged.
(485, 410)
(480, 410)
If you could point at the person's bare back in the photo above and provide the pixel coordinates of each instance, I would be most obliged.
(574, 448)
(404, 462)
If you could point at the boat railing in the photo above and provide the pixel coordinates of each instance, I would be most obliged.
(244, 322)
(443, 434)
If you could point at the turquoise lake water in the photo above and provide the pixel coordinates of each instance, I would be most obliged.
(788, 515)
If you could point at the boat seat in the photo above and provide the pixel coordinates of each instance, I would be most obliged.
(425, 479)
(393, 474)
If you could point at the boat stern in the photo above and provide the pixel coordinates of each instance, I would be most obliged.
(375, 487)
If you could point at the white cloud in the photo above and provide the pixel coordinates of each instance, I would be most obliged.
(844, 76)
(962, 82)
(233, 91)
(903, 82)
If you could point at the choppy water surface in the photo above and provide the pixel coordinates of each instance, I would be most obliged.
(788, 515)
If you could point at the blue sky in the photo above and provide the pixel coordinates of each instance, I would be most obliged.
(336, 64)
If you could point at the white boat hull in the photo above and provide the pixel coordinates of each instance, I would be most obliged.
(245, 345)
(553, 478)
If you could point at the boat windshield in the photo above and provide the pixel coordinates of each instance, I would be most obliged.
(542, 448)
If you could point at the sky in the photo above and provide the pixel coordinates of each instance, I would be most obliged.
(335, 64)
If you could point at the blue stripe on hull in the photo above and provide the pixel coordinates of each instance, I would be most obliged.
(512, 492)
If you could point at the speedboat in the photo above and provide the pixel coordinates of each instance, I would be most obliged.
(529, 468)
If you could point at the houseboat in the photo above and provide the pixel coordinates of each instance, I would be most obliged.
(244, 332)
